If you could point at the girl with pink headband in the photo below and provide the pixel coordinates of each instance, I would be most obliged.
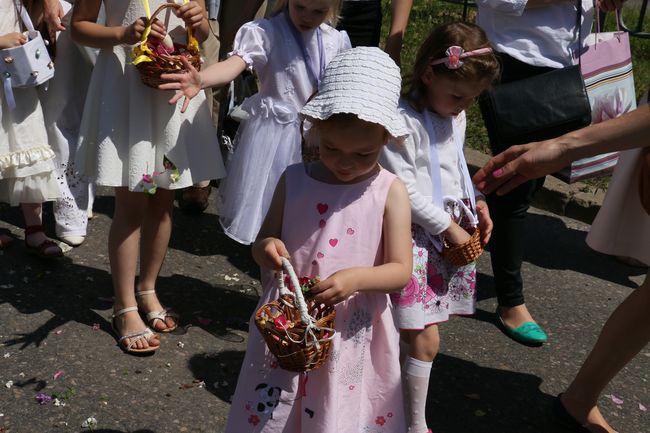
(453, 66)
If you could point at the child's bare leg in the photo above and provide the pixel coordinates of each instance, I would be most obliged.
(123, 240)
(33, 214)
(424, 345)
(156, 231)
(625, 333)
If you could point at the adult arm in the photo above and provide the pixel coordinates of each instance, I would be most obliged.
(518, 164)
(517, 7)
(399, 19)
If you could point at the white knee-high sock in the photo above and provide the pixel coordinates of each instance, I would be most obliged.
(416, 378)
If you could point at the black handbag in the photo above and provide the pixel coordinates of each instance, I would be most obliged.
(537, 108)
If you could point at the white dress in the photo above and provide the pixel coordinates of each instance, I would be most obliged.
(128, 129)
(26, 159)
(63, 104)
(269, 141)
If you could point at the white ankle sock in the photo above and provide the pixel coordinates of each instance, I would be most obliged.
(416, 377)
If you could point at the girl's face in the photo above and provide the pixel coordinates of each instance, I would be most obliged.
(350, 150)
(448, 97)
(308, 14)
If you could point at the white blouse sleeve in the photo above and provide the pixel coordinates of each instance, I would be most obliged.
(252, 44)
(344, 41)
(401, 160)
(506, 7)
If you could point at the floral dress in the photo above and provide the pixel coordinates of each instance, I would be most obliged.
(436, 289)
(358, 390)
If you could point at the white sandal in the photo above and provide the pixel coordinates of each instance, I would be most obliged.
(152, 316)
(147, 334)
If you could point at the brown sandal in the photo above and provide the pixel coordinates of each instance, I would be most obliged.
(48, 249)
(8, 238)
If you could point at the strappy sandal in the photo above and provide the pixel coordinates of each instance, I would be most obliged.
(147, 334)
(6, 238)
(152, 316)
(48, 249)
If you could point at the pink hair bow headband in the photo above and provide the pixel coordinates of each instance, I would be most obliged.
(456, 53)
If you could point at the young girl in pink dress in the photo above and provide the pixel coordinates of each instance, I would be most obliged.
(453, 66)
(345, 219)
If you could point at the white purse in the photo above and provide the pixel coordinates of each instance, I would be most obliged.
(28, 65)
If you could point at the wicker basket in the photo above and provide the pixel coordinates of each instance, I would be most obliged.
(464, 254)
(298, 332)
(152, 64)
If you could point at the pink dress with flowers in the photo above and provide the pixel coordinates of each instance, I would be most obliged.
(326, 228)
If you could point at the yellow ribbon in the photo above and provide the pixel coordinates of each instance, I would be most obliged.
(141, 52)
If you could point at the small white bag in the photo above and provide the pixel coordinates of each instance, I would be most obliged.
(28, 65)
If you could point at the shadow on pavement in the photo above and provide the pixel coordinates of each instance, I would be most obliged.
(465, 397)
(219, 371)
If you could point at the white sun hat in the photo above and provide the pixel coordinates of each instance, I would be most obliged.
(363, 81)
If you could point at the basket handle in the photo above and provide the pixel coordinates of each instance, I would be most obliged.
(310, 337)
(190, 37)
(297, 293)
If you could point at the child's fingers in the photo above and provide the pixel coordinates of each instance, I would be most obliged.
(186, 103)
(174, 83)
(174, 99)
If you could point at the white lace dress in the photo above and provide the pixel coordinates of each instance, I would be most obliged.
(269, 141)
(128, 130)
(63, 104)
(26, 159)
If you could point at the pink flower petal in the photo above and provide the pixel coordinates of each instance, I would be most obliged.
(59, 332)
(203, 321)
(95, 326)
(616, 400)
(642, 408)
(58, 374)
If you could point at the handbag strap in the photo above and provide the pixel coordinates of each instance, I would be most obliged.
(24, 16)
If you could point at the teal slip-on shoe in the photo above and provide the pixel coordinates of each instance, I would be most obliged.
(529, 333)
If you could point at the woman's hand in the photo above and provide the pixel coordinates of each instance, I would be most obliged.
(268, 253)
(456, 235)
(133, 32)
(485, 224)
(52, 15)
(11, 40)
(519, 164)
(187, 84)
(192, 13)
(338, 287)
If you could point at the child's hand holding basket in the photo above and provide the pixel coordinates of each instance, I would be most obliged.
(154, 56)
(297, 331)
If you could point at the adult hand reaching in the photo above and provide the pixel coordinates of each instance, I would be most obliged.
(518, 164)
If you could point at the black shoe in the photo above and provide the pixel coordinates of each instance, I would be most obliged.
(194, 199)
(564, 418)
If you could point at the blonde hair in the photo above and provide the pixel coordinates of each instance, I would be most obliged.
(332, 17)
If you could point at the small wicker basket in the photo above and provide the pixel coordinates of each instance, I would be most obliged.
(464, 254)
(152, 64)
(298, 332)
